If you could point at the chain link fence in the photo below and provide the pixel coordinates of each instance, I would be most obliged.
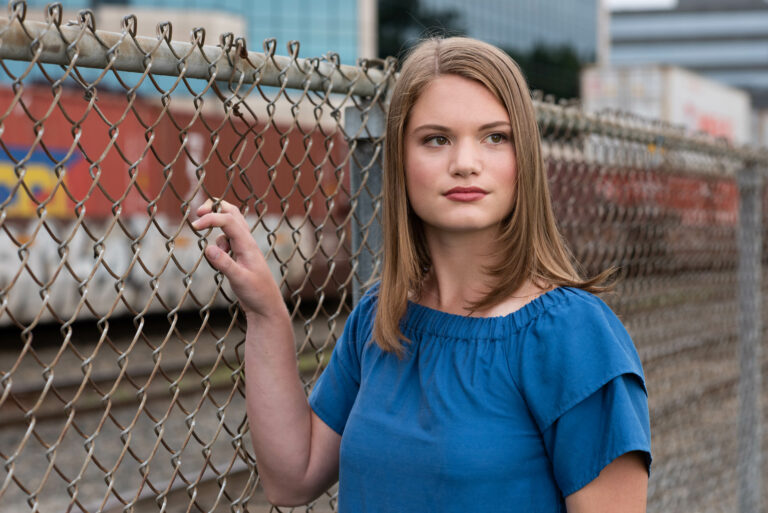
(121, 380)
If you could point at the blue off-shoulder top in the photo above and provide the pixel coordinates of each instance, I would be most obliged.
(509, 413)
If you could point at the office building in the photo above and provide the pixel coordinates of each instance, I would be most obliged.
(523, 24)
(725, 40)
(347, 27)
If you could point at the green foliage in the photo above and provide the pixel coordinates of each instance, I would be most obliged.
(553, 70)
(402, 23)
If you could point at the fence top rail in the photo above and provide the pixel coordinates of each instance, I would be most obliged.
(628, 127)
(81, 44)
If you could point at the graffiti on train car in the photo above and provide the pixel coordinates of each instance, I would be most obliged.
(46, 280)
(150, 167)
(672, 218)
(697, 200)
(34, 182)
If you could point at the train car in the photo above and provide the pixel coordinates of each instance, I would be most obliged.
(96, 192)
(662, 218)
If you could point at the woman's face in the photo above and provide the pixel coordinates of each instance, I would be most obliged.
(460, 166)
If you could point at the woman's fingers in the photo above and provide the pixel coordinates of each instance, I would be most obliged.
(232, 224)
(205, 208)
(237, 236)
(223, 243)
(245, 268)
(223, 206)
(221, 261)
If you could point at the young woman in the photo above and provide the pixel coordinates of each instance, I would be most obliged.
(481, 373)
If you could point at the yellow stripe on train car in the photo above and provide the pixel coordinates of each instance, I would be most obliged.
(41, 183)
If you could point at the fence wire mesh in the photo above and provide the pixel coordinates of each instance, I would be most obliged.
(665, 209)
(121, 371)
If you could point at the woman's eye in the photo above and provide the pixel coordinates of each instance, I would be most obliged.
(436, 140)
(496, 138)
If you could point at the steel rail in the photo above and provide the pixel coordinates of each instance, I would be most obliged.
(77, 44)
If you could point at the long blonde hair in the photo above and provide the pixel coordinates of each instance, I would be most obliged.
(531, 245)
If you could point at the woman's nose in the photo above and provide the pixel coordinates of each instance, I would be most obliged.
(466, 159)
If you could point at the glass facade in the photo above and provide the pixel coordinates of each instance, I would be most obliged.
(694, 53)
(704, 24)
(320, 25)
(747, 79)
(522, 24)
(729, 44)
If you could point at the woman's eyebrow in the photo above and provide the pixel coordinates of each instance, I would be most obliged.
(494, 124)
(441, 128)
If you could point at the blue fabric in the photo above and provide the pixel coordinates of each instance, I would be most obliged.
(505, 413)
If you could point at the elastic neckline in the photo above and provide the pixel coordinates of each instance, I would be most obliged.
(425, 320)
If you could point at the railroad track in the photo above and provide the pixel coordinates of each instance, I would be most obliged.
(130, 432)
(97, 391)
(704, 355)
(125, 390)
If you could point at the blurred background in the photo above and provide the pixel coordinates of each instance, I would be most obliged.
(634, 55)
(121, 363)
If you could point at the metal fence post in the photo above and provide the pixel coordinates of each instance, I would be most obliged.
(750, 334)
(365, 128)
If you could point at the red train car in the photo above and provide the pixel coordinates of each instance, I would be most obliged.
(113, 179)
(647, 221)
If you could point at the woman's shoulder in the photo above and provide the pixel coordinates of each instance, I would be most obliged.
(368, 301)
(562, 309)
(574, 297)
(558, 312)
(572, 349)
(359, 324)
(578, 313)
(577, 322)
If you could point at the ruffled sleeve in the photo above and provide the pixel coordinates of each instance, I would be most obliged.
(583, 382)
(609, 423)
(336, 389)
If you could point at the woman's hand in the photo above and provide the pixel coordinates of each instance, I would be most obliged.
(296, 452)
(247, 269)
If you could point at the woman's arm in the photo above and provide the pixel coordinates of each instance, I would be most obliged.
(621, 487)
(296, 452)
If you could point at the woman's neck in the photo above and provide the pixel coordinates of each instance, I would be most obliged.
(458, 277)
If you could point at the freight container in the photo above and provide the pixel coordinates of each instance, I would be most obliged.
(761, 128)
(670, 94)
(96, 194)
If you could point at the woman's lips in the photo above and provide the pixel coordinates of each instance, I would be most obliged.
(465, 194)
